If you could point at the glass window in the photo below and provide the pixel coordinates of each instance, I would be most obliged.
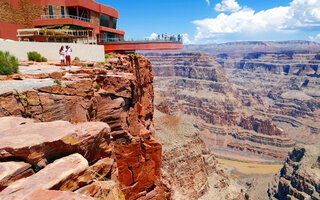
(104, 20)
(108, 37)
(50, 11)
(62, 11)
(114, 23)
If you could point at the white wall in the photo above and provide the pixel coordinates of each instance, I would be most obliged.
(51, 50)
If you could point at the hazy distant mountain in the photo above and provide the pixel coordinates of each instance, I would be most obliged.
(255, 46)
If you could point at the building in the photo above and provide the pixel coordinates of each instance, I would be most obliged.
(77, 21)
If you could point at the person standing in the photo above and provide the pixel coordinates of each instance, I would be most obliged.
(62, 56)
(68, 56)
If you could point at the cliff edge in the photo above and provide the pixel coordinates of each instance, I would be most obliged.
(90, 132)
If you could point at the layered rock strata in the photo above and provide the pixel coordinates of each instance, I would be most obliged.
(188, 166)
(112, 107)
(281, 85)
(195, 85)
(300, 176)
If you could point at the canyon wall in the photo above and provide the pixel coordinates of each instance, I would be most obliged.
(300, 175)
(92, 132)
(281, 85)
(193, 84)
(188, 165)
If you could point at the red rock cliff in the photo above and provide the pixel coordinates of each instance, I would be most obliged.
(119, 94)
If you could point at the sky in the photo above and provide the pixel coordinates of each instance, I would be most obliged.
(219, 21)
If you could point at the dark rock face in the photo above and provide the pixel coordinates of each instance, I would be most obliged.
(193, 84)
(300, 175)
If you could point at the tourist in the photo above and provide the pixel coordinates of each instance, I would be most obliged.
(68, 57)
(62, 56)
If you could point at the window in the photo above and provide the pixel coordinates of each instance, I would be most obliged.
(114, 23)
(104, 20)
(50, 11)
(62, 11)
(108, 37)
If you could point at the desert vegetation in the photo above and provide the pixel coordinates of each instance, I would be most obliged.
(8, 63)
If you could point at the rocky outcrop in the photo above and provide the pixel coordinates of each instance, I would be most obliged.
(195, 85)
(300, 175)
(50, 177)
(12, 171)
(189, 168)
(266, 127)
(105, 114)
(61, 138)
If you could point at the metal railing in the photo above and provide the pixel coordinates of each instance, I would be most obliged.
(66, 16)
(58, 35)
(132, 40)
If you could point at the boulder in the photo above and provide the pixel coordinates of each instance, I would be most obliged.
(51, 177)
(103, 190)
(12, 171)
(40, 143)
(55, 195)
(96, 172)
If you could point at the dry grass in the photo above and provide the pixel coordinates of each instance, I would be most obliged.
(249, 168)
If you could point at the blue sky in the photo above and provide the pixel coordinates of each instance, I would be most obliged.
(217, 21)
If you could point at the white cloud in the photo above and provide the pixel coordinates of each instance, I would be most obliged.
(185, 39)
(299, 15)
(315, 38)
(153, 36)
(227, 6)
(208, 2)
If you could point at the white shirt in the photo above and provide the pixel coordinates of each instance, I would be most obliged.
(62, 53)
(68, 52)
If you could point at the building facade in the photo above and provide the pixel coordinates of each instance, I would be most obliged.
(67, 21)
(76, 21)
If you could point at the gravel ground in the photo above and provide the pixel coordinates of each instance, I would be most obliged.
(21, 85)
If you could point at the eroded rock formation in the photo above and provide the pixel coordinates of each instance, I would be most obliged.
(283, 85)
(102, 116)
(195, 85)
(300, 176)
(188, 166)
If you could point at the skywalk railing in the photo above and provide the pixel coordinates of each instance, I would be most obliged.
(145, 40)
(45, 17)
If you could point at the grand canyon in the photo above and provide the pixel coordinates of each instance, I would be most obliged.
(191, 124)
(251, 102)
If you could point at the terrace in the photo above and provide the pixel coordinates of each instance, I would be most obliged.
(85, 19)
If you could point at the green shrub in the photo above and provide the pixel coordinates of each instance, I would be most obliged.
(8, 64)
(97, 87)
(108, 55)
(43, 59)
(77, 59)
(35, 56)
(57, 81)
(84, 65)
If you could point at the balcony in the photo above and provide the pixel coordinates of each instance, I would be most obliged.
(46, 17)
(49, 20)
